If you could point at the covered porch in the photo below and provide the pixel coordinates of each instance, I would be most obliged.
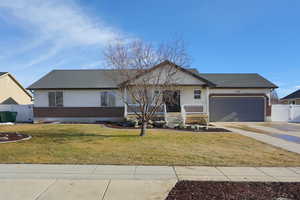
(187, 105)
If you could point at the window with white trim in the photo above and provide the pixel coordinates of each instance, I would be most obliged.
(155, 96)
(108, 99)
(197, 94)
(56, 99)
(130, 99)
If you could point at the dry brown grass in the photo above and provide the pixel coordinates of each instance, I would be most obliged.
(93, 144)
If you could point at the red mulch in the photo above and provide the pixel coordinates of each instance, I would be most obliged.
(10, 137)
(208, 190)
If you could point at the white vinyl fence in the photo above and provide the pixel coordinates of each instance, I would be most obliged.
(286, 113)
(25, 112)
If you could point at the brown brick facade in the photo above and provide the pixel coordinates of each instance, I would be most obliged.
(48, 112)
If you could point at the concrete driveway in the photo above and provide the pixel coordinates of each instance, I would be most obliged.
(269, 128)
(280, 134)
(281, 127)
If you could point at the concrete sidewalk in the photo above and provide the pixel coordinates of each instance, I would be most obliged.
(289, 146)
(119, 172)
(47, 182)
(49, 189)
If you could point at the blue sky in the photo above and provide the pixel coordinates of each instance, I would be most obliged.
(222, 36)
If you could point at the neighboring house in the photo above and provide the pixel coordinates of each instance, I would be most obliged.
(293, 98)
(93, 95)
(11, 91)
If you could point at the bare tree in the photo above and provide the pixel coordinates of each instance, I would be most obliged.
(146, 71)
(274, 97)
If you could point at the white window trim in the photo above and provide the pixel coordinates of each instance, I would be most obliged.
(55, 99)
(200, 95)
(108, 91)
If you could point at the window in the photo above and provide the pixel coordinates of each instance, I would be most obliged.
(56, 99)
(108, 99)
(197, 94)
(130, 99)
(156, 96)
(293, 102)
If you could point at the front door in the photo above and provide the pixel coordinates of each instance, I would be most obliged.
(172, 100)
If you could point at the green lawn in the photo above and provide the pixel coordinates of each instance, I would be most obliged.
(93, 144)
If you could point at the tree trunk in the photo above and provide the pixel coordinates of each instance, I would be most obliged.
(143, 129)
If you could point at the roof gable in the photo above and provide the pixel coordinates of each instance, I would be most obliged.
(9, 101)
(2, 73)
(294, 95)
(184, 76)
(15, 81)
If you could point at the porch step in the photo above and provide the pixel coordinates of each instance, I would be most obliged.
(174, 119)
(174, 114)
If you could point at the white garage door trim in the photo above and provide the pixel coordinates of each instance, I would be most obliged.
(239, 96)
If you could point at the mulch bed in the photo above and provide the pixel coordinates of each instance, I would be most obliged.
(12, 137)
(111, 125)
(210, 129)
(208, 190)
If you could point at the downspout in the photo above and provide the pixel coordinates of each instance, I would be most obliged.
(269, 106)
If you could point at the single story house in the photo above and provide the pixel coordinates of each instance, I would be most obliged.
(93, 95)
(11, 91)
(293, 98)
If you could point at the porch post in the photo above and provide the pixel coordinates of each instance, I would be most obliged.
(125, 100)
(207, 102)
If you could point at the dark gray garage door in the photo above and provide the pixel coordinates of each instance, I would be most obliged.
(231, 109)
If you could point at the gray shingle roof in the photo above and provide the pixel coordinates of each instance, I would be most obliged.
(294, 95)
(9, 101)
(2, 73)
(101, 79)
(79, 79)
(238, 80)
